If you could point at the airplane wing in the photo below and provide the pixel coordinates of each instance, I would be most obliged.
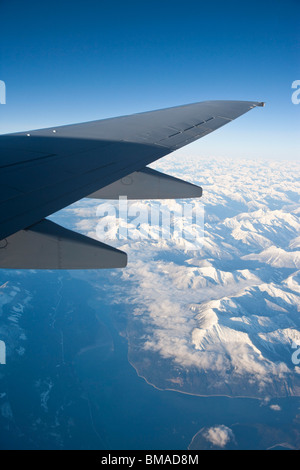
(43, 171)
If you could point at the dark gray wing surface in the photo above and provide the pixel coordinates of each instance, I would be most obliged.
(47, 245)
(43, 171)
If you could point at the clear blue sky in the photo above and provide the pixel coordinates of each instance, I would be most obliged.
(75, 61)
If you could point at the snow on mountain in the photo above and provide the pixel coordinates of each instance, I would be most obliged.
(263, 228)
(251, 238)
(277, 257)
(220, 318)
(208, 277)
(293, 281)
(13, 299)
(295, 244)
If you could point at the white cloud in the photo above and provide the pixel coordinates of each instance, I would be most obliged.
(219, 436)
(275, 407)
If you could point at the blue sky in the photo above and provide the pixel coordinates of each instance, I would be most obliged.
(72, 61)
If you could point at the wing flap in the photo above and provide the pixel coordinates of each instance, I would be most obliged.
(148, 184)
(47, 245)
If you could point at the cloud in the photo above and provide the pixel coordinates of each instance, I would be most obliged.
(275, 407)
(219, 436)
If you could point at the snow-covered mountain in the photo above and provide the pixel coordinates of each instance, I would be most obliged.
(277, 258)
(222, 318)
(13, 300)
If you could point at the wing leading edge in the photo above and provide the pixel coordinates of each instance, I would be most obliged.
(45, 170)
